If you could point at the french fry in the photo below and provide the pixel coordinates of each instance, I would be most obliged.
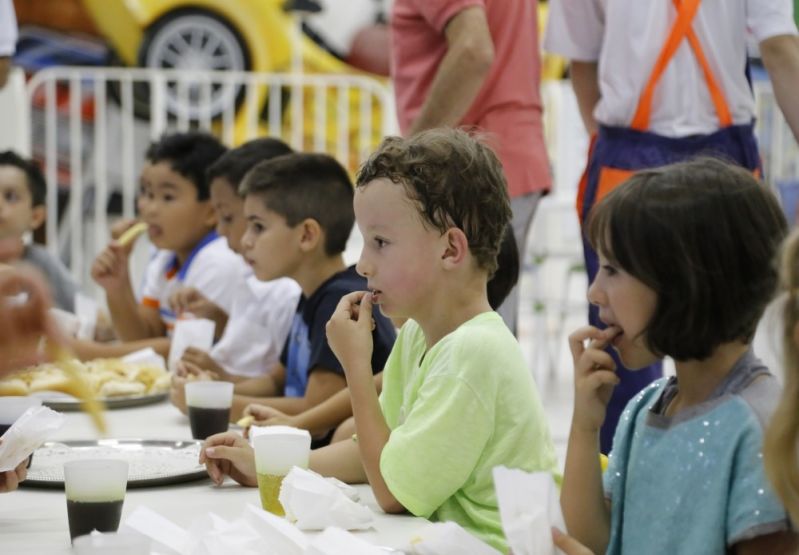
(78, 387)
(246, 421)
(132, 234)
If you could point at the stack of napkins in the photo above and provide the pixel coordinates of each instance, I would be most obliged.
(529, 507)
(447, 538)
(256, 532)
(312, 502)
(28, 433)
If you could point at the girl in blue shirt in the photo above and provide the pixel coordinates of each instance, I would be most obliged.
(686, 268)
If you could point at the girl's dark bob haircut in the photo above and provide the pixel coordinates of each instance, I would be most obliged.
(704, 235)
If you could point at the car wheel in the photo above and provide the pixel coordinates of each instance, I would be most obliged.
(194, 41)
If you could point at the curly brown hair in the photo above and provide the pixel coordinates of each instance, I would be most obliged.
(454, 179)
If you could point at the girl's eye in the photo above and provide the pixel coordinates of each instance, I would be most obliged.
(257, 228)
(380, 242)
(609, 270)
(169, 198)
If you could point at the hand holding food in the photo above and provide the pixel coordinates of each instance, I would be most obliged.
(594, 375)
(131, 234)
(110, 268)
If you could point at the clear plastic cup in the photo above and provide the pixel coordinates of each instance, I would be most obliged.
(277, 450)
(95, 490)
(209, 407)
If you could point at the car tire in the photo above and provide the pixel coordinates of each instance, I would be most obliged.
(191, 40)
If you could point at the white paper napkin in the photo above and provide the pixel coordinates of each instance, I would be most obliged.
(86, 310)
(529, 508)
(256, 532)
(278, 533)
(314, 503)
(166, 535)
(35, 426)
(190, 332)
(335, 541)
(145, 356)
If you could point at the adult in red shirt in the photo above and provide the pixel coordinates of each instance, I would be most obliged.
(476, 63)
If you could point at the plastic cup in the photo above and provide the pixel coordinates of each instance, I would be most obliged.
(277, 450)
(12, 408)
(95, 491)
(209, 407)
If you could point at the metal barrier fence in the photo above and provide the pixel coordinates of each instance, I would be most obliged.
(91, 127)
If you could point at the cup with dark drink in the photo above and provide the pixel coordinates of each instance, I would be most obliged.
(11, 408)
(95, 491)
(209, 407)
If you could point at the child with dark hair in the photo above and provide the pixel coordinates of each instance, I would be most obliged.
(23, 191)
(262, 311)
(299, 216)
(181, 222)
(458, 398)
(336, 412)
(686, 269)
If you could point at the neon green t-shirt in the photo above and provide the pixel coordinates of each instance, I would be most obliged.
(467, 405)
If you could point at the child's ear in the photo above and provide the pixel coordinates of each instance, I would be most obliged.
(38, 216)
(208, 214)
(456, 247)
(310, 234)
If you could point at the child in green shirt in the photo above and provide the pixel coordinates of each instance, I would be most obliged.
(458, 398)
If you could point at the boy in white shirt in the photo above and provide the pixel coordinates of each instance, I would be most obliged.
(262, 311)
(181, 221)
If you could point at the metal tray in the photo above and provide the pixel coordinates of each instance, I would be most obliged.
(67, 403)
(152, 462)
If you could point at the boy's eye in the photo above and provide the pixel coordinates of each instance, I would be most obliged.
(380, 242)
(169, 198)
(11, 196)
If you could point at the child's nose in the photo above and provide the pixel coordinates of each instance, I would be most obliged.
(595, 294)
(246, 240)
(363, 267)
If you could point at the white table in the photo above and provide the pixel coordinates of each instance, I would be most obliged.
(34, 521)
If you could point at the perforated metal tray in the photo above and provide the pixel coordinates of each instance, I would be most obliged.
(152, 462)
(68, 403)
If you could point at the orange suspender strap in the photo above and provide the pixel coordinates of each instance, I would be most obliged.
(686, 10)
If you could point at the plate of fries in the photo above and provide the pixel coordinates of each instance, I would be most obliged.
(114, 382)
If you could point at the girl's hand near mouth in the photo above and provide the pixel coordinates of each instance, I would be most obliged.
(594, 375)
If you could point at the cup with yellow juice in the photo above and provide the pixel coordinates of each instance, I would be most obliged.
(277, 450)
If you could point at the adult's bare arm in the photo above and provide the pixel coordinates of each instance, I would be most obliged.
(780, 55)
(463, 70)
(585, 82)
